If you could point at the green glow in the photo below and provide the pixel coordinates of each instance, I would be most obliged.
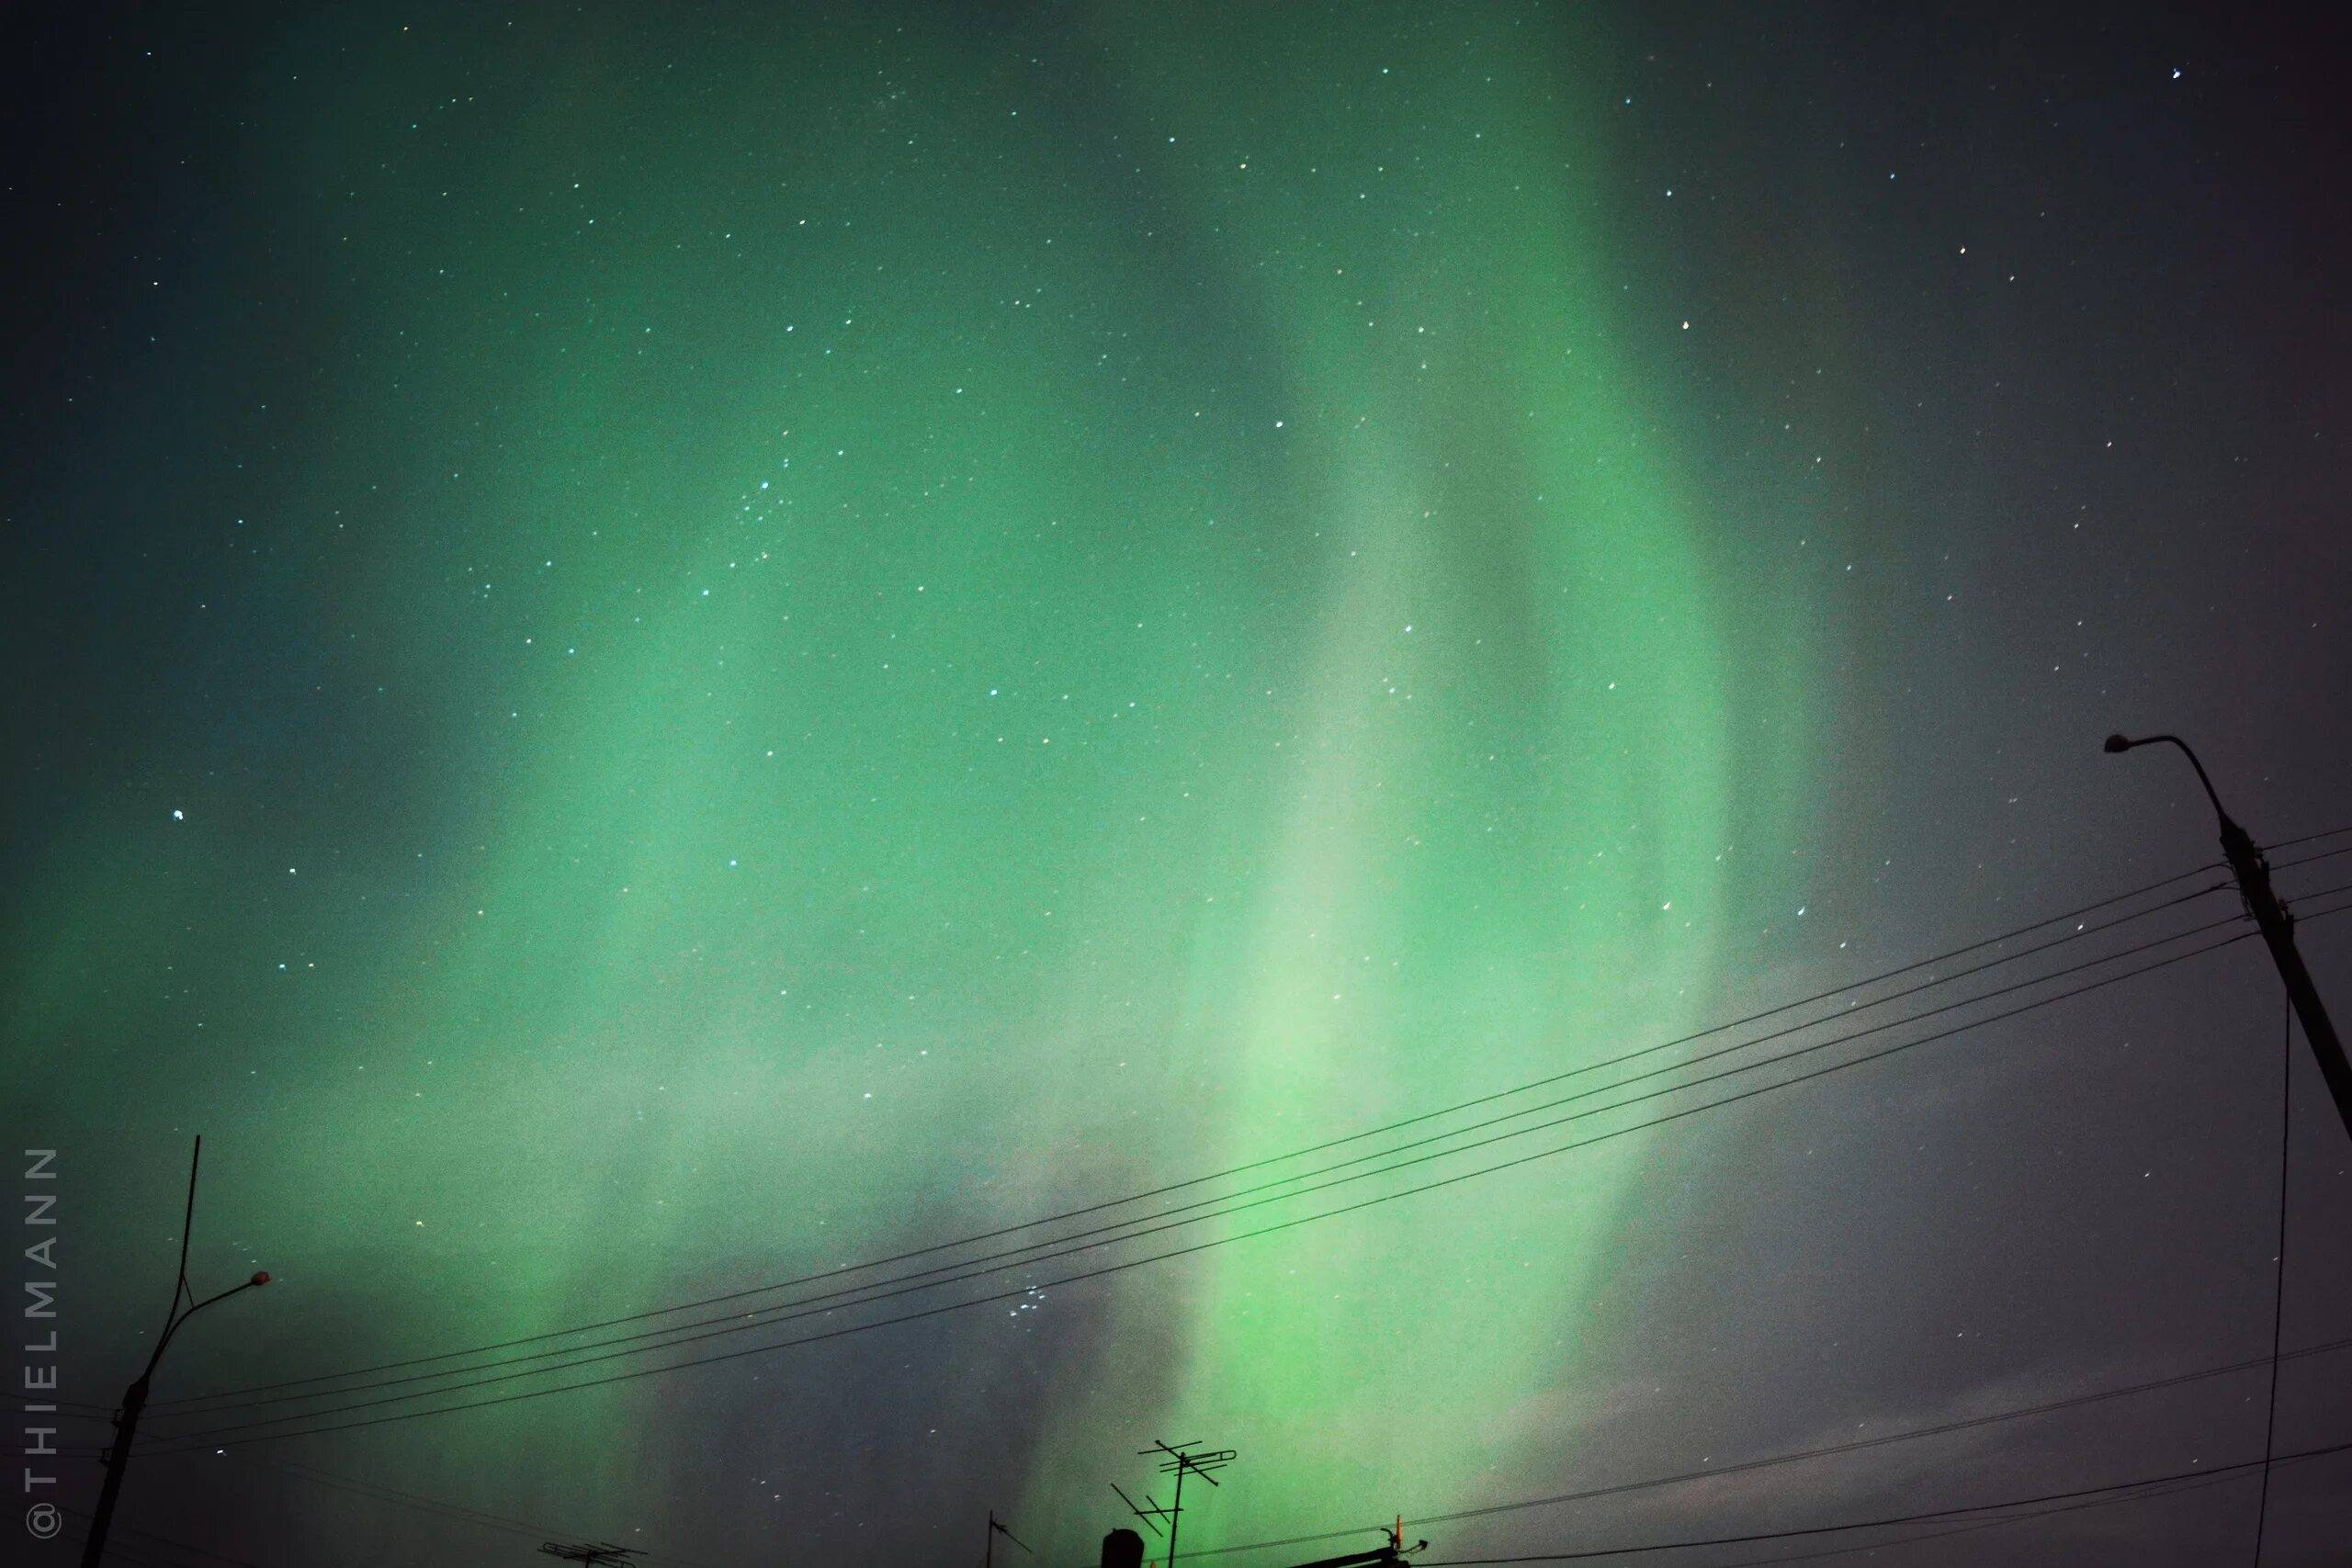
(1496, 837)
(926, 662)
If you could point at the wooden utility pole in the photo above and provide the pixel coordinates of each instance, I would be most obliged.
(2278, 926)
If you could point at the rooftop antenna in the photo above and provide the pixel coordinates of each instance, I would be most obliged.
(590, 1554)
(1180, 1461)
(996, 1529)
(1149, 1512)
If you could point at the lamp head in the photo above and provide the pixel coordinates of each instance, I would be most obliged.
(2117, 743)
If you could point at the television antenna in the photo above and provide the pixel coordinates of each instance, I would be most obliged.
(996, 1529)
(1179, 1460)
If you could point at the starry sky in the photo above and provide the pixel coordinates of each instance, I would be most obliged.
(660, 649)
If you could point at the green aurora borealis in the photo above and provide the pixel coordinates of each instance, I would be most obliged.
(805, 635)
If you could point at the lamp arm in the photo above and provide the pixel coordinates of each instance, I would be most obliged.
(183, 1318)
(2191, 753)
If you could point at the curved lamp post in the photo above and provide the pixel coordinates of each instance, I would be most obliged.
(134, 1398)
(2252, 871)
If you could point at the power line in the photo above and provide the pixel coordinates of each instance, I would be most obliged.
(460, 1513)
(1800, 1456)
(114, 1551)
(997, 1262)
(174, 1442)
(164, 1540)
(207, 1434)
(379, 1492)
(2153, 1489)
(1750, 1045)
(2306, 859)
(453, 1511)
(1887, 1440)
(1883, 1523)
(982, 1268)
(1142, 1225)
(2277, 1265)
(1138, 1235)
(1416, 1119)
(2308, 839)
(2158, 1489)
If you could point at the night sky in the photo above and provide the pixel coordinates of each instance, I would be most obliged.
(655, 649)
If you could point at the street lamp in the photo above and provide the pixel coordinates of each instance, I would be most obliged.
(134, 1398)
(2252, 871)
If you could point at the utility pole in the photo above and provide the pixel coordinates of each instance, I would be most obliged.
(996, 1529)
(2277, 926)
(134, 1398)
